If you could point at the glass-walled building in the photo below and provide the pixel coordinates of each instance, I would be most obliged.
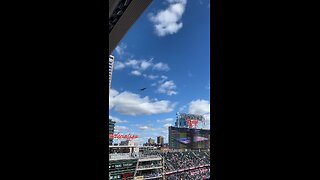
(111, 130)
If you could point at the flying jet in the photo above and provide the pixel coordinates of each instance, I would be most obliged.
(143, 89)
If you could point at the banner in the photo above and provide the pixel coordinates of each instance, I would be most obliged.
(122, 136)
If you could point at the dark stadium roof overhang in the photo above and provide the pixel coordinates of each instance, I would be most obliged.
(122, 14)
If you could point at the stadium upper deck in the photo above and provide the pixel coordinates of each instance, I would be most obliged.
(122, 15)
(155, 164)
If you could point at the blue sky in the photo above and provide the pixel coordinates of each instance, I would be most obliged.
(167, 51)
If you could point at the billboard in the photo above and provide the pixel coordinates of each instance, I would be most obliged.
(185, 120)
(186, 138)
(201, 139)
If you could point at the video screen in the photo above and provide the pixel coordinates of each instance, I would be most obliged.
(185, 138)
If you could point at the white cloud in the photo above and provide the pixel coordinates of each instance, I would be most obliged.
(117, 120)
(163, 78)
(132, 63)
(168, 21)
(161, 67)
(132, 104)
(145, 64)
(118, 65)
(152, 76)
(142, 65)
(168, 87)
(136, 73)
(167, 125)
(146, 128)
(113, 93)
(165, 120)
(182, 108)
(199, 107)
(120, 49)
(120, 129)
(143, 128)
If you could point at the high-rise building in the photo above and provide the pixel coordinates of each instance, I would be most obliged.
(160, 140)
(111, 62)
(111, 130)
(151, 141)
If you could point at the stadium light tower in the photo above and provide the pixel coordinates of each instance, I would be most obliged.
(122, 15)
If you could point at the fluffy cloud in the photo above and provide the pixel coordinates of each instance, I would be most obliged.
(161, 67)
(145, 64)
(143, 128)
(136, 73)
(163, 78)
(120, 129)
(165, 120)
(167, 125)
(202, 107)
(120, 49)
(168, 21)
(132, 104)
(141, 65)
(117, 120)
(182, 108)
(132, 63)
(146, 128)
(199, 107)
(168, 87)
(119, 65)
(150, 76)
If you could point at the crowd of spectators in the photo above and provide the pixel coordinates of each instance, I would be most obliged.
(149, 165)
(197, 174)
(180, 164)
(184, 160)
(152, 175)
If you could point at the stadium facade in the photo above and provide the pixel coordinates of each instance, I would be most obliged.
(145, 162)
(133, 162)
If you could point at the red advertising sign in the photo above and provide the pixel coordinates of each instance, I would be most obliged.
(126, 175)
(192, 122)
(123, 136)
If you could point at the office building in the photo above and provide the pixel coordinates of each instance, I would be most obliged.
(160, 140)
(111, 130)
(151, 141)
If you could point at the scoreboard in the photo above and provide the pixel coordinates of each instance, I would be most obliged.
(185, 138)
